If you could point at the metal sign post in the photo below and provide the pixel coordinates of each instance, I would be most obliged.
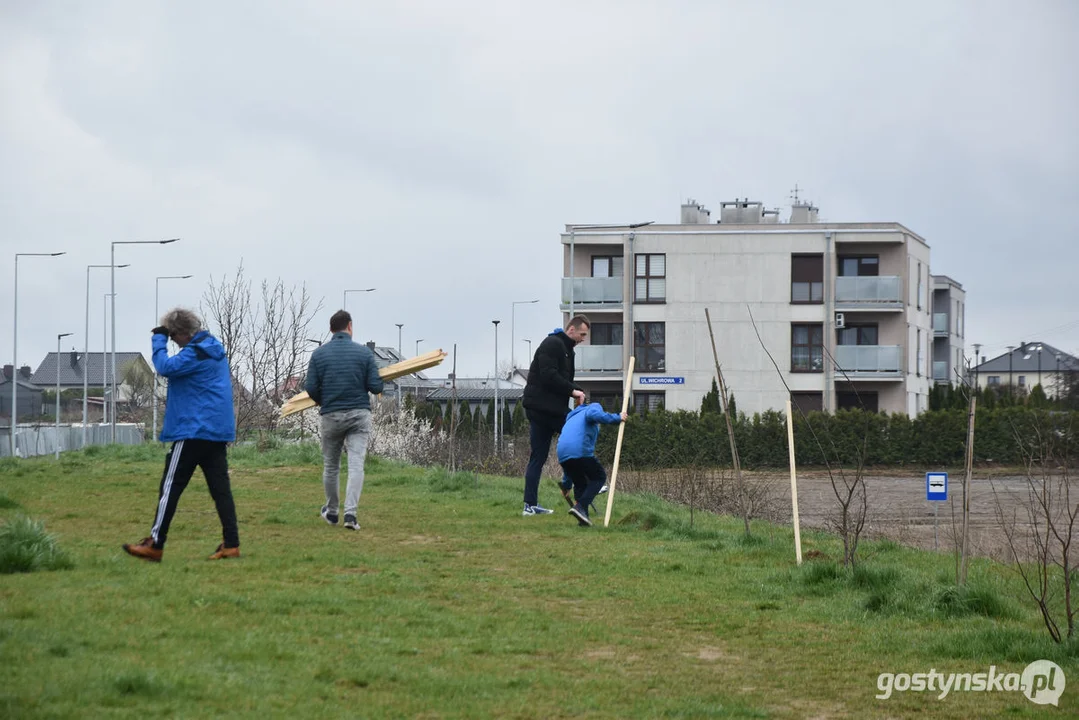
(936, 491)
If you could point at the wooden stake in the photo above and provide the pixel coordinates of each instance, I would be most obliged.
(794, 485)
(618, 445)
(966, 489)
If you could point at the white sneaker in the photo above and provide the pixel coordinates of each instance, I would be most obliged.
(535, 510)
(603, 489)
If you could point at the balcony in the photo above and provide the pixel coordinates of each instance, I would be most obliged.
(940, 371)
(940, 324)
(872, 360)
(598, 293)
(868, 293)
(598, 358)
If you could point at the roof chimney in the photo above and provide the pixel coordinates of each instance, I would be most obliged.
(371, 344)
(8, 369)
(803, 212)
(25, 372)
(75, 359)
(693, 213)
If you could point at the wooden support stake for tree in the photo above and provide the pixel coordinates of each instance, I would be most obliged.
(794, 485)
(966, 489)
(618, 445)
(743, 501)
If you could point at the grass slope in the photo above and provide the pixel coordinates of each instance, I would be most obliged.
(447, 603)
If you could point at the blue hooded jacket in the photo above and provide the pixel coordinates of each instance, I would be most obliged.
(578, 438)
(199, 405)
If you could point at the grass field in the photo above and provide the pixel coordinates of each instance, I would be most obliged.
(447, 603)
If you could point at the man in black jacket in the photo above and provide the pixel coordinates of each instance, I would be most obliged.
(546, 399)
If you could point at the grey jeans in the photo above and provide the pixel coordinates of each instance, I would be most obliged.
(350, 429)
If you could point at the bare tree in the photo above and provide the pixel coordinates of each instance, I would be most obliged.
(139, 382)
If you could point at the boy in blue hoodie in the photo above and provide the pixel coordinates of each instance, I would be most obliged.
(577, 454)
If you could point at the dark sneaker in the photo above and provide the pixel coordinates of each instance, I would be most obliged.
(144, 550)
(535, 510)
(223, 552)
(581, 514)
(328, 516)
(350, 523)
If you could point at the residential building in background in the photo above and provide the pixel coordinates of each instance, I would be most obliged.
(949, 321)
(844, 309)
(1026, 365)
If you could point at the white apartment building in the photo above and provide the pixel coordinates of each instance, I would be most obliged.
(843, 308)
(949, 319)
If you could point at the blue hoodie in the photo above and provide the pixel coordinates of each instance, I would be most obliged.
(578, 438)
(199, 405)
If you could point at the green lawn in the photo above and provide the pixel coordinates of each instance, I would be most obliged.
(448, 603)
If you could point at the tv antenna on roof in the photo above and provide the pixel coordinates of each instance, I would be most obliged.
(794, 193)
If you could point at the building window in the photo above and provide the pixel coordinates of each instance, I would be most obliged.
(807, 347)
(857, 335)
(995, 380)
(650, 279)
(606, 333)
(859, 266)
(857, 401)
(647, 401)
(607, 265)
(808, 402)
(918, 358)
(921, 288)
(650, 346)
(807, 278)
(1022, 381)
(610, 402)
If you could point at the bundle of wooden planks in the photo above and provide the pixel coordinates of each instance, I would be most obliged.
(303, 401)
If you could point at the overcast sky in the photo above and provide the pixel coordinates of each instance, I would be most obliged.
(434, 150)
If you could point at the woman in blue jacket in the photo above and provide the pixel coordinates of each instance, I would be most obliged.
(577, 454)
(199, 422)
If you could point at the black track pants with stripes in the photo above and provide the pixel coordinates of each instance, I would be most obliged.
(180, 464)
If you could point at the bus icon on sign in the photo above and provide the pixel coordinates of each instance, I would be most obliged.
(936, 486)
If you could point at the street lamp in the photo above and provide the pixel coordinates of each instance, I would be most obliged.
(1011, 387)
(513, 326)
(400, 356)
(57, 433)
(104, 352)
(15, 345)
(529, 350)
(112, 272)
(344, 297)
(418, 346)
(416, 384)
(495, 322)
(157, 321)
(86, 354)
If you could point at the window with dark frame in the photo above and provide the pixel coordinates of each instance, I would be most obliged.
(859, 266)
(650, 278)
(807, 279)
(865, 400)
(607, 265)
(857, 335)
(650, 346)
(808, 402)
(807, 347)
(606, 333)
(647, 401)
(995, 380)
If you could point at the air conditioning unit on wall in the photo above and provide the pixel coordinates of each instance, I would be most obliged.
(840, 321)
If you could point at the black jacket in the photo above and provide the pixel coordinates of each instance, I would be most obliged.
(550, 377)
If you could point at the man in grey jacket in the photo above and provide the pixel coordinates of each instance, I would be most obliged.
(339, 377)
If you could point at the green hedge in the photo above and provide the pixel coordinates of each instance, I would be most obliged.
(937, 438)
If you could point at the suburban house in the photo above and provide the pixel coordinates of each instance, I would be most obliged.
(96, 368)
(28, 395)
(476, 393)
(949, 309)
(844, 309)
(1026, 365)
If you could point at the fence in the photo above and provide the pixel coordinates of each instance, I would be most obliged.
(32, 440)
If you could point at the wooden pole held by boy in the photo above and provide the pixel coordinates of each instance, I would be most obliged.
(618, 445)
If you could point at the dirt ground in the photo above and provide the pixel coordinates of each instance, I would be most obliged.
(897, 505)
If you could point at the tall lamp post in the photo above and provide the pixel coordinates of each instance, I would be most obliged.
(112, 272)
(416, 384)
(104, 363)
(1011, 386)
(529, 350)
(86, 355)
(344, 296)
(513, 328)
(157, 294)
(15, 346)
(402, 357)
(495, 322)
(57, 431)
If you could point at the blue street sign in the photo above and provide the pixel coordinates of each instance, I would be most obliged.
(663, 381)
(936, 486)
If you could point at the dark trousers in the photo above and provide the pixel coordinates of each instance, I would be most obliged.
(541, 429)
(588, 477)
(180, 464)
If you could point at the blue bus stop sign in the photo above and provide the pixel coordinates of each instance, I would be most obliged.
(936, 486)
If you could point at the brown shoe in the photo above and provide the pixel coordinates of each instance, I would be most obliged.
(223, 552)
(145, 550)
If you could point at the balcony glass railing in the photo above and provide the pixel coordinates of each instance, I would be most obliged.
(940, 370)
(940, 323)
(592, 291)
(872, 289)
(868, 358)
(596, 358)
